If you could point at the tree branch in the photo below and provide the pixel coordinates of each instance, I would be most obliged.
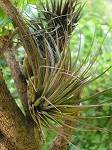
(18, 77)
(8, 50)
(23, 30)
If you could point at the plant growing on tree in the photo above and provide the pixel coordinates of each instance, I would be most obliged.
(50, 85)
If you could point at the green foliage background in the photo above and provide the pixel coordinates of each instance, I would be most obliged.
(96, 22)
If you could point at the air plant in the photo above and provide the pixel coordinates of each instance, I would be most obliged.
(51, 87)
(54, 85)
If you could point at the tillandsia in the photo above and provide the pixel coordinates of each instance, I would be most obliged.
(51, 88)
(54, 83)
(54, 22)
(56, 18)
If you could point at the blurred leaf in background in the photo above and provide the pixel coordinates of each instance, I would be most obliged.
(96, 23)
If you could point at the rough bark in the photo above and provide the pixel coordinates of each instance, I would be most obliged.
(13, 124)
(5, 144)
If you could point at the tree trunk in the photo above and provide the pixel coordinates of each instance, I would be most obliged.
(18, 130)
(14, 126)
